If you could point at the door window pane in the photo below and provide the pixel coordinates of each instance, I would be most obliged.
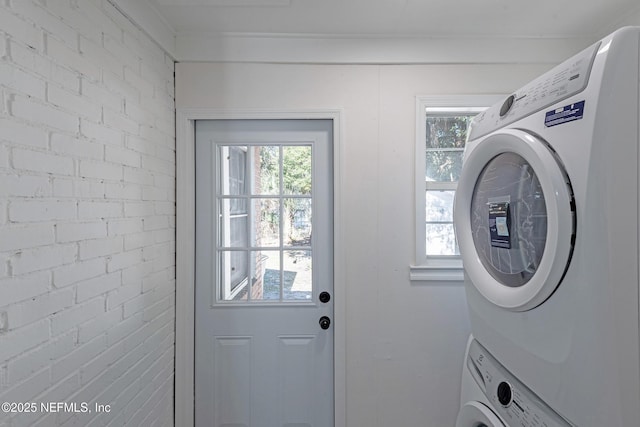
(233, 273)
(266, 215)
(267, 169)
(265, 277)
(233, 169)
(297, 170)
(297, 275)
(297, 226)
(233, 223)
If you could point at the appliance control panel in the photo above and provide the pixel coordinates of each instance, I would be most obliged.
(565, 80)
(511, 399)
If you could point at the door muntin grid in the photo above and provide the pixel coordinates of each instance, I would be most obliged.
(264, 205)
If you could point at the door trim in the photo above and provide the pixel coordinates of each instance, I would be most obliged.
(185, 251)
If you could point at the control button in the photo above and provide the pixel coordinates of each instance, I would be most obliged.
(506, 106)
(504, 393)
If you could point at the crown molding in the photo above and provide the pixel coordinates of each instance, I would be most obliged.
(372, 49)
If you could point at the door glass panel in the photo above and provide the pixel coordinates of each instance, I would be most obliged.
(270, 228)
(233, 268)
(297, 225)
(271, 277)
(233, 223)
(296, 164)
(267, 169)
(509, 219)
(266, 215)
(297, 275)
(233, 169)
(265, 276)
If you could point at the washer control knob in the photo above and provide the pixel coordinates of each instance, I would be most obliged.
(504, 393)
(506, 106)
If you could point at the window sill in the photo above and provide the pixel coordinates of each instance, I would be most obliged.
(437, 271)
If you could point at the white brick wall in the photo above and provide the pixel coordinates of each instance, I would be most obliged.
(87, 215)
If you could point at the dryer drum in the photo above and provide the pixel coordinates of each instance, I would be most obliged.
(509, 219)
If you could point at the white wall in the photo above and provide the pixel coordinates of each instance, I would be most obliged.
(87, 215)
(632, 18)
(405, 341)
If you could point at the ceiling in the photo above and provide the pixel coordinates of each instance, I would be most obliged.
(192, 22)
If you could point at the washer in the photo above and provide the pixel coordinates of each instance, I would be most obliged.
(492, 397)
(546, 216)
(475, 408)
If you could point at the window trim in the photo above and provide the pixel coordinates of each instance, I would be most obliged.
(436, 268)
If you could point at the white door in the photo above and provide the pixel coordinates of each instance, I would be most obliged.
(515, 219)
(264, 273)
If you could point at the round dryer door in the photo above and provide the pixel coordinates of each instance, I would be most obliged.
(514, 217)
(475, 414)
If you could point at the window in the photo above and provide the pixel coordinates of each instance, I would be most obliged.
(264, 199)
(442, 125)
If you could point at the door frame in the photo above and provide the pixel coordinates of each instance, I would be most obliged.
(184, 392)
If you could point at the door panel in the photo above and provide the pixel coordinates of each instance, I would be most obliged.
(264, 252)
(232, 381)
(296, 360)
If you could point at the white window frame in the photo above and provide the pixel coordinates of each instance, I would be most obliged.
(437, 268)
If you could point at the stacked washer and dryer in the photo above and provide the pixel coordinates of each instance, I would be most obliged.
(547, 219)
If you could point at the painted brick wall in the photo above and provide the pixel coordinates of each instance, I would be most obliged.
(87, 216)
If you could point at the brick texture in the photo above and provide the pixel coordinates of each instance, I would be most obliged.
(87, 215)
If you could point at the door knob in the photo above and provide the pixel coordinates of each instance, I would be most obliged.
(325, 322)
(324, 297)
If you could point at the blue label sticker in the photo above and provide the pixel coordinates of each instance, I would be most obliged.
(565, 114)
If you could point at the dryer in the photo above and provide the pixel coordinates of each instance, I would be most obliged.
(546, 216)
